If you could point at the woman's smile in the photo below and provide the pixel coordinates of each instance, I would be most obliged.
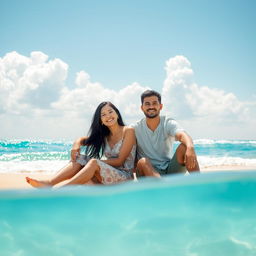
(108, 116)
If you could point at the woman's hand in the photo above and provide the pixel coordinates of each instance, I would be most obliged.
(74, 154)
(76, 148)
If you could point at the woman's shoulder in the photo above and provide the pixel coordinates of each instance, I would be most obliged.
(128, 130)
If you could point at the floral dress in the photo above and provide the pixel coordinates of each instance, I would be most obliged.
(108, 173)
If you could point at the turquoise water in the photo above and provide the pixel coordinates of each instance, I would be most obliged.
(60, 149)
(33, 155)
(207, 214)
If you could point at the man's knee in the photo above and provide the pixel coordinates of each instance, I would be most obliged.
(143, 162)
(145, 168)
(180, 157)
(180, 153)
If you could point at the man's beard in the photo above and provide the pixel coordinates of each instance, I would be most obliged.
(151, 115)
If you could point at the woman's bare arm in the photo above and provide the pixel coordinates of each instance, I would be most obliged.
(128, 142)
(76, 147)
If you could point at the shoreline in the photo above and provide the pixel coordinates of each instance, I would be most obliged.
(18, 181)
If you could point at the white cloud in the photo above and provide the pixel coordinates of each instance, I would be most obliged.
(82, 79)
(178, 79)
(83, 100)
(35, 88)
(214, 103)
(28, 84)
(187, 100)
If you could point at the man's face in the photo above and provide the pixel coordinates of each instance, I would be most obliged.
(151, 107)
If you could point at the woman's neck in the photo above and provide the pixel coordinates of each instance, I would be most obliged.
(115, 129)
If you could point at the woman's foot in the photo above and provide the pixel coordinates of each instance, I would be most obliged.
(37, 183)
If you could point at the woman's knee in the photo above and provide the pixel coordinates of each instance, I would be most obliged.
(93, 163)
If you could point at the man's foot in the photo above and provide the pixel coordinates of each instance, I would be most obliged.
(37, 183)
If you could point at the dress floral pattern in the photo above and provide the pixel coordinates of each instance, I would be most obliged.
(110, 174)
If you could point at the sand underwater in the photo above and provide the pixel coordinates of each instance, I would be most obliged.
(205, 214)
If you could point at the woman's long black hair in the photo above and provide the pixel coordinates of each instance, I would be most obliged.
(98, 132)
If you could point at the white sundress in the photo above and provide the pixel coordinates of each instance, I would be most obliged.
(108, 173)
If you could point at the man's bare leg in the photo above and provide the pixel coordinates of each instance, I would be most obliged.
(180, 154)
(145, 168)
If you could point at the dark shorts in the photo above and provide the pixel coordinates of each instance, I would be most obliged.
(173, 167)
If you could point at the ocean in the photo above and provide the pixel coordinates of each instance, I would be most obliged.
(206, 214)
(51, 155)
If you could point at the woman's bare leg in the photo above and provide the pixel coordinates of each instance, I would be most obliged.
(85, 175)
(71, 169)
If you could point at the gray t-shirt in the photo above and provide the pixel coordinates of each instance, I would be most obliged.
(156, 145)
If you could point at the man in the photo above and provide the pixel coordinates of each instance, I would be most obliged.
(155, 135)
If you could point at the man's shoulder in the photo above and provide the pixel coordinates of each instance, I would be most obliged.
(138, 123)
(171, 126)
(167, 119)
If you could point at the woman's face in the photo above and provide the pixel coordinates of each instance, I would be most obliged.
(108, 116)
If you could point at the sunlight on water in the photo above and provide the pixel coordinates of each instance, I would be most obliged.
(208, 214)
(50, 156)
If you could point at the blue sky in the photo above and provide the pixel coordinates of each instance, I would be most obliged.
(121, 42)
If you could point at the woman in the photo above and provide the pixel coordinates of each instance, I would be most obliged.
(109, 136)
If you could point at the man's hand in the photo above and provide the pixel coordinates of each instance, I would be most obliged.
(189, 155)
(190, 158)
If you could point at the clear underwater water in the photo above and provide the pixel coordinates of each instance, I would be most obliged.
(197, 215)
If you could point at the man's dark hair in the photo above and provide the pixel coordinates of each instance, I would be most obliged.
(149, 93)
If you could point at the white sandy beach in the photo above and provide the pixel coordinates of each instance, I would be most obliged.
(18, 181)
